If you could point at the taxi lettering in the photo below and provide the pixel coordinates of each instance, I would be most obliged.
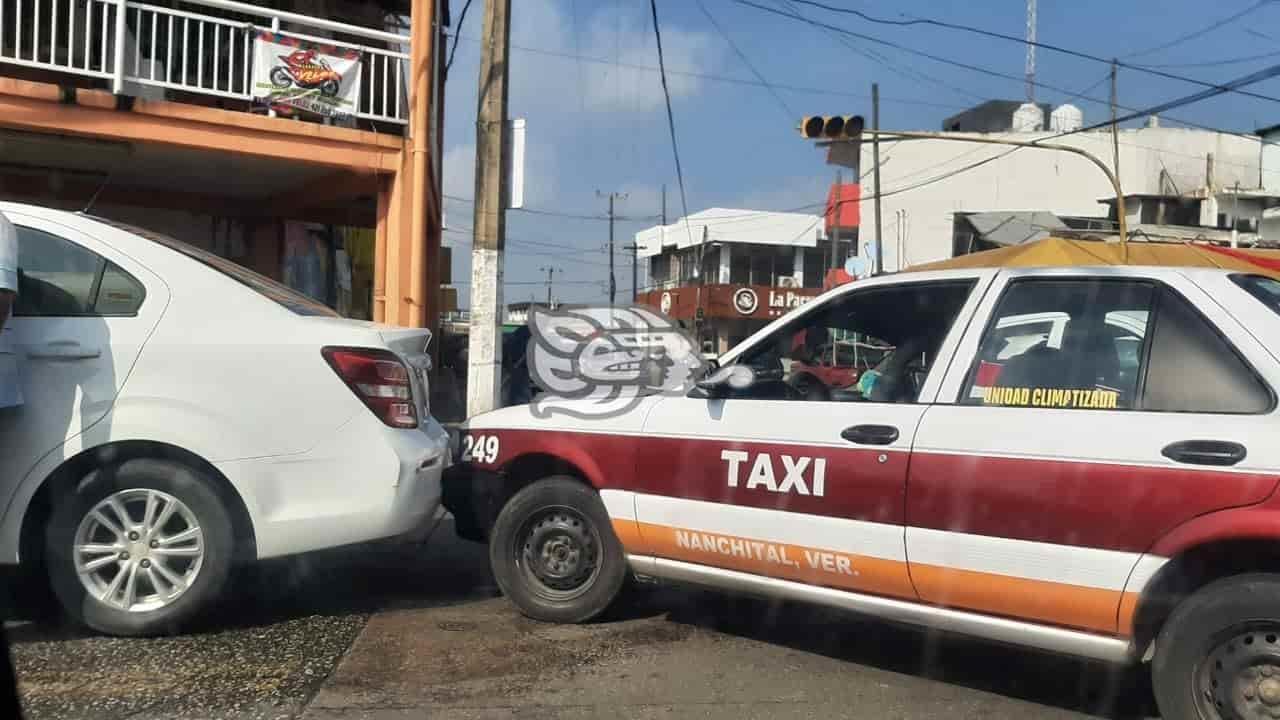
(1097, 398)
(764, 472)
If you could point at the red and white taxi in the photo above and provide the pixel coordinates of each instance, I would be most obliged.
(1083, 460)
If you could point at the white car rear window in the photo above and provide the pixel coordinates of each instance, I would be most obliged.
(280, 293)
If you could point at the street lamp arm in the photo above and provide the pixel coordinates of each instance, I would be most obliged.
(1111, 176)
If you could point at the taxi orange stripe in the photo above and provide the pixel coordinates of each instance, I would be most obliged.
(1062, 604)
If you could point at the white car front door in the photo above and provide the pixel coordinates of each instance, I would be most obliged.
(83, 313)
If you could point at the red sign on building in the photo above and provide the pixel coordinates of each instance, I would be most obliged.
(842, 206)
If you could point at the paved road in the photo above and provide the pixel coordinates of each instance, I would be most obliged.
(398, 633)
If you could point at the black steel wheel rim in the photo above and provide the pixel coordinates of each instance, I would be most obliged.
(558, 552)
(1239, 678)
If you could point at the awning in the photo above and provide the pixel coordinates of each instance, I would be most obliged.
(1060, 252)
(1014, 228)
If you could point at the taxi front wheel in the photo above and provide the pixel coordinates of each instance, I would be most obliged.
(1218, 656)
(554, 553)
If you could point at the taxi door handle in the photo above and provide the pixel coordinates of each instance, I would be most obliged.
(870, 434)
(1205, 452)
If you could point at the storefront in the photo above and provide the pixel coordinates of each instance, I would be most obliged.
(725, 315)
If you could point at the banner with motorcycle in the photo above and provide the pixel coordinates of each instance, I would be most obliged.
(293, 73)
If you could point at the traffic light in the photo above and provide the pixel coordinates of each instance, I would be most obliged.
(831, 127)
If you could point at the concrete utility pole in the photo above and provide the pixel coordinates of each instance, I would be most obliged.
(484, 379)
(613, 281)
(635, 270)
(550, 271)
(875, 160)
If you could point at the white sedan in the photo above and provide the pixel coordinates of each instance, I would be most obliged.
(184, 414)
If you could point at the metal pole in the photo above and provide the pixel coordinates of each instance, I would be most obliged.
(117, 51)
(835, 224)
(1115, 150)
(916, 135)
(484, 346)
(1235, 215)
(550, 271)
(613, 283)
(875, 159)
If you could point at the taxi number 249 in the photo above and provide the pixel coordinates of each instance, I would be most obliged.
(479, 448)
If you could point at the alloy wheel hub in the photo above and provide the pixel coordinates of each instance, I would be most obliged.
(138, 550)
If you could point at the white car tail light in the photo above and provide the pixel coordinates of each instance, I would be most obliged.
(378, 378)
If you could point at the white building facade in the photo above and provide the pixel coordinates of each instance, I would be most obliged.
(1224, 172)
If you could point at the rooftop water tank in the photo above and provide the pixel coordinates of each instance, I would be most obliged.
(1028, 118)
(1066, 118)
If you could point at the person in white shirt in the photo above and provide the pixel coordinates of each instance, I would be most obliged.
(10, 392)
(10, 395)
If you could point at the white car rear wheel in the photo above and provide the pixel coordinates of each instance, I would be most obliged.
(139, 548)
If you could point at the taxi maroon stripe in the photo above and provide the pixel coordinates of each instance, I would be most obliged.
(857, 485)
(1097, 505)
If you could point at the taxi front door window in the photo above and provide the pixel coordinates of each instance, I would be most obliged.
(874, 345)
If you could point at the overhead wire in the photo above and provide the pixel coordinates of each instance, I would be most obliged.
(904, 71)
(453, 50)
(978, 68)
(712, 77)
(1186, 100)
(986, 33)
(561, 214)
(1199, 31)
(1218, 63)
(746, 61)
(671, 118)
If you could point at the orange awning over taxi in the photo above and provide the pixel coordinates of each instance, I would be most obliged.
(1060, 252)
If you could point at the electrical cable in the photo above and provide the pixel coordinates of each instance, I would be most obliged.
(724, 78)
(1196, 97)
(791, 114)
(560, 214)
(671, 118)
(987, 33)
(906, 72)
(1198, 32)
(1217, 63)
(987, 71)
(462, 16)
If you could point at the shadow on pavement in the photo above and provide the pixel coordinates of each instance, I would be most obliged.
(355, 580)
(1064, 682)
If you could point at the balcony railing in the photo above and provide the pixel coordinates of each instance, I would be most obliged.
(207, 51)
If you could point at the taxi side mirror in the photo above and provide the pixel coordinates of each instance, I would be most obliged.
(722, 381)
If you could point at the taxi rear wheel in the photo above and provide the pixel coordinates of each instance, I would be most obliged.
(554, 554)
(1218, 656)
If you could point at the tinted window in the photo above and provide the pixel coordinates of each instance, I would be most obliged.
(874, 345)
(1194, 369)
(1265, 289)
(1063, 344)
(282, 294)
(58, 278)
(119, 293)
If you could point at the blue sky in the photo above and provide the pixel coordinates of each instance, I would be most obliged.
(600, 124)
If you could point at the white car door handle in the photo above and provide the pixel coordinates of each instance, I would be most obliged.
(64, 350)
